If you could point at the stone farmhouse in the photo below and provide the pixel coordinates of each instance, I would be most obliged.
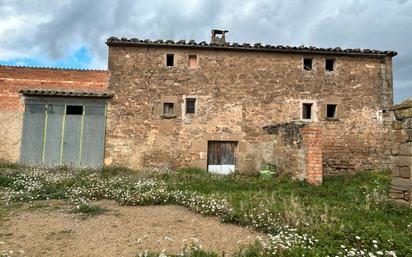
(218, 106)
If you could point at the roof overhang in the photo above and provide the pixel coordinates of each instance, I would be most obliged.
(66, 93)
(113, 41)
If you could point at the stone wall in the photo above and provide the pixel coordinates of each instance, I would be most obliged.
(11, 124)
(12, 79)
(237, 94)
(401, 189)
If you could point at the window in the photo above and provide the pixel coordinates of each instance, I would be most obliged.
(190, 105)
(74, 110)
(307, 64)
(329, 64)
(331, 110)
(307, 111)
(170, 60)
(192, 61)
(168, 109)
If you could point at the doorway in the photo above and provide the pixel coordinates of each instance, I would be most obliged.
(221, 157)
(63, 132)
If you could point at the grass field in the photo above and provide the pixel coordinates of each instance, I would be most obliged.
(348, 215)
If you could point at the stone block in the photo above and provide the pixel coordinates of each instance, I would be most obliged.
(402, 161)
(397, 125)
(395, 171)
(395, 193)
(401, 184)
(395, 149)
(408, 135)
(199, 145)
(406, 149)
(406, 124)
(402, 114)
(400, 136)
(404, 172)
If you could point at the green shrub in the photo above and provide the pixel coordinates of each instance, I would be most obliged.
(89, 210)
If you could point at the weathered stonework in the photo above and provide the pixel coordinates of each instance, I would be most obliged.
(238, 93)
(250, 95)
(10, 136)
(401, 189)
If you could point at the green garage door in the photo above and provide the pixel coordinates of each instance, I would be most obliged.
(68, 133)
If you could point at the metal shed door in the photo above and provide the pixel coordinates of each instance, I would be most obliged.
(72, 137)
(93, 136)
(221, 157)
(56, 134)
(32, 138)
(53, 135)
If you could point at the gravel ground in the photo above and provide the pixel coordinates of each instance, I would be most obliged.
(50, 228)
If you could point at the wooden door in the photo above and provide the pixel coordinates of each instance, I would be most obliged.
(221, 157)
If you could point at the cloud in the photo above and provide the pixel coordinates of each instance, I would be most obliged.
(52, 30)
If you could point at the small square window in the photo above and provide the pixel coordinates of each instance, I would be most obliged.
(307, 111)
(170, 60)
(168, 109)
(307, 64)
(190, 105)
(330, 64)
(74, 110)
(331, 110)
(192, 61)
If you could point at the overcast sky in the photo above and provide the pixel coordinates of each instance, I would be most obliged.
(71, 33)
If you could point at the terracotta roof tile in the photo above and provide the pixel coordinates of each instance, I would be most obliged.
(114, 41)
(58, 92)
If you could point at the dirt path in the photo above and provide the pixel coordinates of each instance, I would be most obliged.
(53, 230)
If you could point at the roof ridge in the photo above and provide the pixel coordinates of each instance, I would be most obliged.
(246, 46)
(52, 68)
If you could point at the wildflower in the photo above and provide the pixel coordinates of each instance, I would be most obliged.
(391, 253)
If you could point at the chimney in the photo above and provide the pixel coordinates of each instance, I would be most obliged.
(218, 37)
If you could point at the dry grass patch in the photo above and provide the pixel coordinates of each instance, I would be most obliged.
(51, 228)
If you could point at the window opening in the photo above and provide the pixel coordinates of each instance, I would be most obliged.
(192, 61)
(170, 60)
(74, 109)
(190, 105)
(331, 111)
(330, 64)
(307, 111)
(307, 64)
(168, 108)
